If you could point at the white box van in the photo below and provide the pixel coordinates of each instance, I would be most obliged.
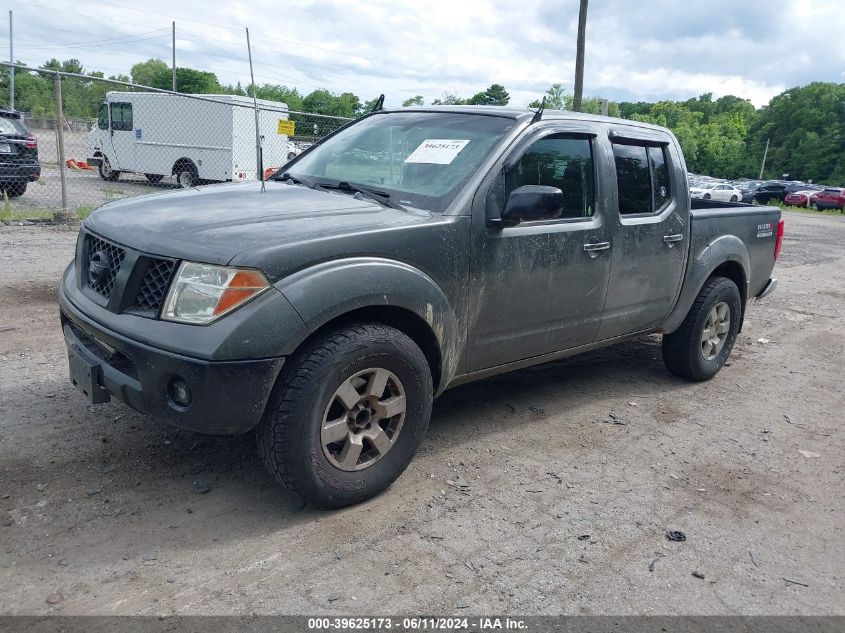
(192, 137)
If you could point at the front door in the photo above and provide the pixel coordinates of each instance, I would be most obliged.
(539, 287)
(122, 137)
(651, 236)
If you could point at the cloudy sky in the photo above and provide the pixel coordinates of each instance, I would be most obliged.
(649, 50)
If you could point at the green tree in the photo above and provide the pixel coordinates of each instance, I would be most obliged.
(151, 73)
(806, 128)
(555, 96)
(494, 95)
(449, 99)
(413, 101)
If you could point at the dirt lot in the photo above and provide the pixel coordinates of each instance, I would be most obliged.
(559, 508)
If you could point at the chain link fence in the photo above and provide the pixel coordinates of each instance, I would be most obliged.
(137, 140)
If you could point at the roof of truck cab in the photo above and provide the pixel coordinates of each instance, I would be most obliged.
(522, 113)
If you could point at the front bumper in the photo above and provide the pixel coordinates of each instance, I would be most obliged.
(227, 397)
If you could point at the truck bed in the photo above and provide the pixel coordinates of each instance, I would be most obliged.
(732, 220)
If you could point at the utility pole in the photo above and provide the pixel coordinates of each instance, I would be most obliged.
(579, 57)
(11, 68)
(763, 164)
(174, 56)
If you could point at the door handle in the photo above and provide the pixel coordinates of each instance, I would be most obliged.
(671, 240)
(593, 249)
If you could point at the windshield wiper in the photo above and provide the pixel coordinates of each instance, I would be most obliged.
(296, 180)
(379, 196)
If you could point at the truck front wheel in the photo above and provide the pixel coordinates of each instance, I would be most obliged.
(699, 348)
(347, 415)
(106, 171)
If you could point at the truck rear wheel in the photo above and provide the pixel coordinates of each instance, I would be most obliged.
(347, 415)
(106, 171)
(186, 175)
(699, 348)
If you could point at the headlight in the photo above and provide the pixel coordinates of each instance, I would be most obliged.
(202, 293)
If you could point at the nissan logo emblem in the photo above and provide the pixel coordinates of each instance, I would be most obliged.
(98, 267)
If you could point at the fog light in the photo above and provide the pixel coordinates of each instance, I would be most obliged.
(179, 393)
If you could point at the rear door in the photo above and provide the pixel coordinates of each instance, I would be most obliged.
(650, 231)
(122, 136)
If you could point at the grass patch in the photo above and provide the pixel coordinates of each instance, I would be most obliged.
(112, 191)
(8, 214)
(812, 211)
(19, 215)
(84, 211)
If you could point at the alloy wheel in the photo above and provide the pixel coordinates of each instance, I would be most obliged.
(363, 419)
(716, 329)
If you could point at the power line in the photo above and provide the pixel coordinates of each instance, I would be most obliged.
(81, 45)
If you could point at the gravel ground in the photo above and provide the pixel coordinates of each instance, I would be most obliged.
(526, 497)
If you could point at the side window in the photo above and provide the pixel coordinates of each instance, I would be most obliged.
(642, 178)
(659, 177)
(103, 117)
(121, 116)
(633, 178)
(563, 161)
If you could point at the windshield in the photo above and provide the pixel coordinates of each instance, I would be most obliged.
(12, 125)
(419, 159)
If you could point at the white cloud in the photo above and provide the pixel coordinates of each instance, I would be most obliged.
(654, 50)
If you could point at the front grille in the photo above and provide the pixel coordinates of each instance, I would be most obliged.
(154, 285)
(102, 261)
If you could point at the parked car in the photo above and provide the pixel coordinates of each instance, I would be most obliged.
(831, 198)
(799, 198)
(327, 311)
(765, 193)
(295, 148)
(716, 191)
(195, 138)
(19, 164)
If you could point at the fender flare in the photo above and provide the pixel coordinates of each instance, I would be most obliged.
(703, 262)
(334, 288)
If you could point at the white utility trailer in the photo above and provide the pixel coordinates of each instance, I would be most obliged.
(192, 137)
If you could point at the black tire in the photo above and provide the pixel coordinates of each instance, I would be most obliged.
(186, 175)
(106, 172)
(291, 156)
(734, 198)
(154, 178)
(14, 189)
(289, 434)
(682, 349)
(707, 196)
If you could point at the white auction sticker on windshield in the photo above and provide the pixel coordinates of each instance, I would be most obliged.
(437, 151)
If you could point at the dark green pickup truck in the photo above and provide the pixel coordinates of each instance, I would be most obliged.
(408, 252)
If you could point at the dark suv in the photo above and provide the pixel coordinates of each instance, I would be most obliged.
(766, 192)
(18, 154)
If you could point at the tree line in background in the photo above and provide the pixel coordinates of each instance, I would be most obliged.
(724, 137)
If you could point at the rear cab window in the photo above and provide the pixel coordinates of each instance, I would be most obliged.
(642, 177)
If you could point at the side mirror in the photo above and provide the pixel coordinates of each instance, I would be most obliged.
(531, 203)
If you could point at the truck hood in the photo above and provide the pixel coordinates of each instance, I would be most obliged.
(213, 224)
